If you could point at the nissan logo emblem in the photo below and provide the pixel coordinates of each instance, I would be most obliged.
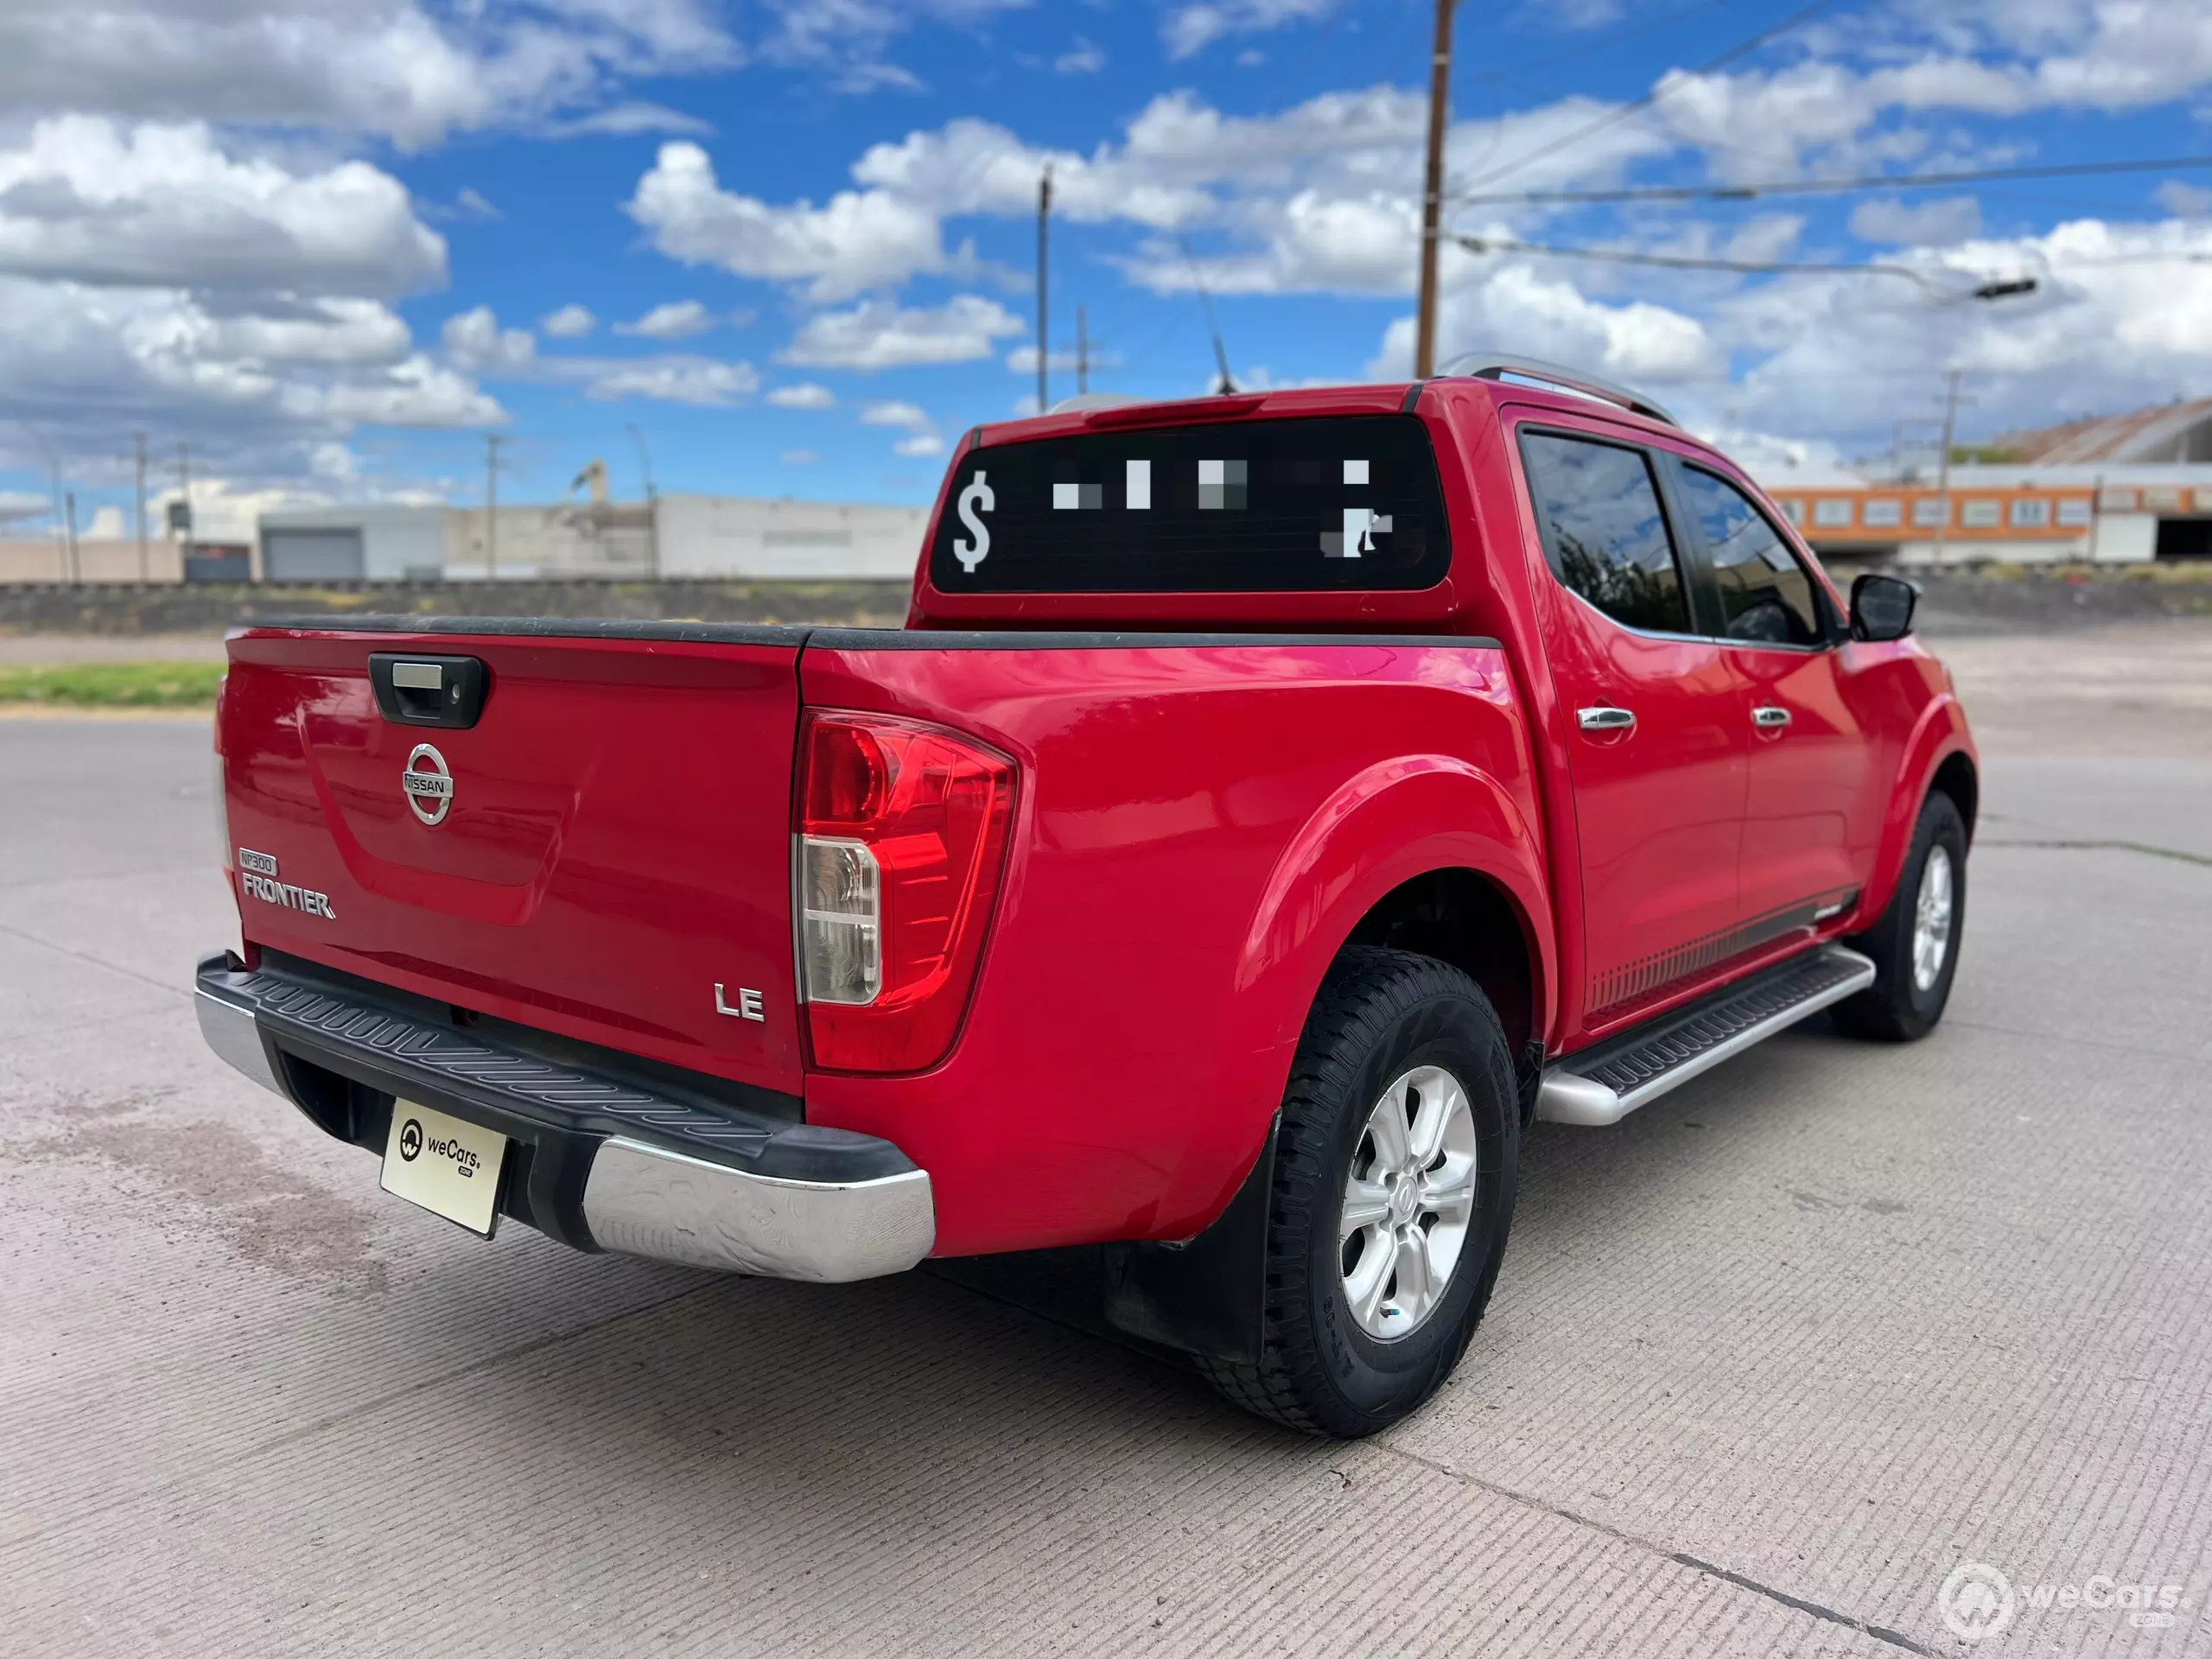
(428, 784)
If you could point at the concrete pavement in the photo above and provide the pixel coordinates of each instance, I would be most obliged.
(1767, 1361)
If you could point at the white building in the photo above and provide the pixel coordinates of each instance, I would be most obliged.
(683, 536)
(738, 535)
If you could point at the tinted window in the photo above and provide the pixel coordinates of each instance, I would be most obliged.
(1765, 596)
(1604, 531)
(1343, 502)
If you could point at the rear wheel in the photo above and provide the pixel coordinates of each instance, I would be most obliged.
(1915, 945)
(1395, 1169)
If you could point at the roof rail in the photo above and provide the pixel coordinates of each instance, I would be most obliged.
(1495, 365)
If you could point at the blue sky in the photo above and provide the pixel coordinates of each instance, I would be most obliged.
(788, 248)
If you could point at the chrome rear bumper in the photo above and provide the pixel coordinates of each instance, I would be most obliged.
(642, 1200)
(651, 1169)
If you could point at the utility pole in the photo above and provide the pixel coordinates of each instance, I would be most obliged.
(492, 442)
(652, 498)
(1082, 352)
(1898, 430)
(1432, 200)
(1951, 402)
(76, 569)
(139, 445)
(1043, 219)
(54, 484)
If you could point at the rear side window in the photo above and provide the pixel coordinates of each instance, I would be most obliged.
(1605, 533)
(1243, 506)
(1766, 598)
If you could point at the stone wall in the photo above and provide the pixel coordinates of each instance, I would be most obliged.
(212, 607)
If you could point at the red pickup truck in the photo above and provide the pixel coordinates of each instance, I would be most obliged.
(1272, 803)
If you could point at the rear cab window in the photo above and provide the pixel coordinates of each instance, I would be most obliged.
(1604, 532)
(1287, 505)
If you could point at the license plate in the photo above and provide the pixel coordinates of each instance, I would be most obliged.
(450, 1167)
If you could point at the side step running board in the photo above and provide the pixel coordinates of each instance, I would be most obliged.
(1605, 1084)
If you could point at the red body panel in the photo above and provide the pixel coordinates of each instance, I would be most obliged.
(1166, 917)
(1198, 828)
(618, 841)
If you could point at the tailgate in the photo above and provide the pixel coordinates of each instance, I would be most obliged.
(615, 842)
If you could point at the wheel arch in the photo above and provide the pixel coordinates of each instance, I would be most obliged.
(1956, 777)
(1387, 829)
(1467, 919)
(1938, 757)
(1394, 824)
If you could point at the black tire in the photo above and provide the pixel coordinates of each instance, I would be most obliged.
(1380, 1013)
(1894, 1008)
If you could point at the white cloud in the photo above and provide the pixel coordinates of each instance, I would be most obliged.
(1513, 308)
(877, 334)
(1937, 224)
(976, 167)
(909, 415)
(157, 277)
(858, 240)
(628, 121)
(569, 322)
(707, 383)
(473, 341)
(2185, 200)
(1084, 58)
(405, 69)
(2123, 318)
(678, 320)
(86, 200)
(921, 444)
(475, 205)
(849, 38)
(803, 394)
(1188, 30)
(797, 457)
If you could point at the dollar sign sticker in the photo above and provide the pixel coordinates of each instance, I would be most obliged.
(977, 498)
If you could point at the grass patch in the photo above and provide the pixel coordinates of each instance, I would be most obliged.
(113, 685)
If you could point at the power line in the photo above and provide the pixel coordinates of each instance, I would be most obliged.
(1684, 261)
(1613, 118)
(1604, 40)
(1828, 187)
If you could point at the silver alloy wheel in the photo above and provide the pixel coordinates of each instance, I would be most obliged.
(1407, 1202)
(1931, 918)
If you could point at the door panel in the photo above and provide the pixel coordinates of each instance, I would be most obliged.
(1659, 803)
(1808, 839)
(1813, 806)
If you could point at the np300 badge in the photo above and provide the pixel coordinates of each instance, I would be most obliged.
(428, 784)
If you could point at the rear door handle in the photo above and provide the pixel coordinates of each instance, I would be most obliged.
(1770, 718)
(1604, 720)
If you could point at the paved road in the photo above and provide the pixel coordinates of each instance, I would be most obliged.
(1767, 1361)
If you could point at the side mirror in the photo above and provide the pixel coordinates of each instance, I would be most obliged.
(1881, 606)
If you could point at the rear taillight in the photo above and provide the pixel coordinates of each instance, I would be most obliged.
(902, 840)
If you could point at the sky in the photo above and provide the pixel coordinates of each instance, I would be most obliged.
(318, 249)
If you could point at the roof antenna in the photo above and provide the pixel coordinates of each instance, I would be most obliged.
(1226, 387)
